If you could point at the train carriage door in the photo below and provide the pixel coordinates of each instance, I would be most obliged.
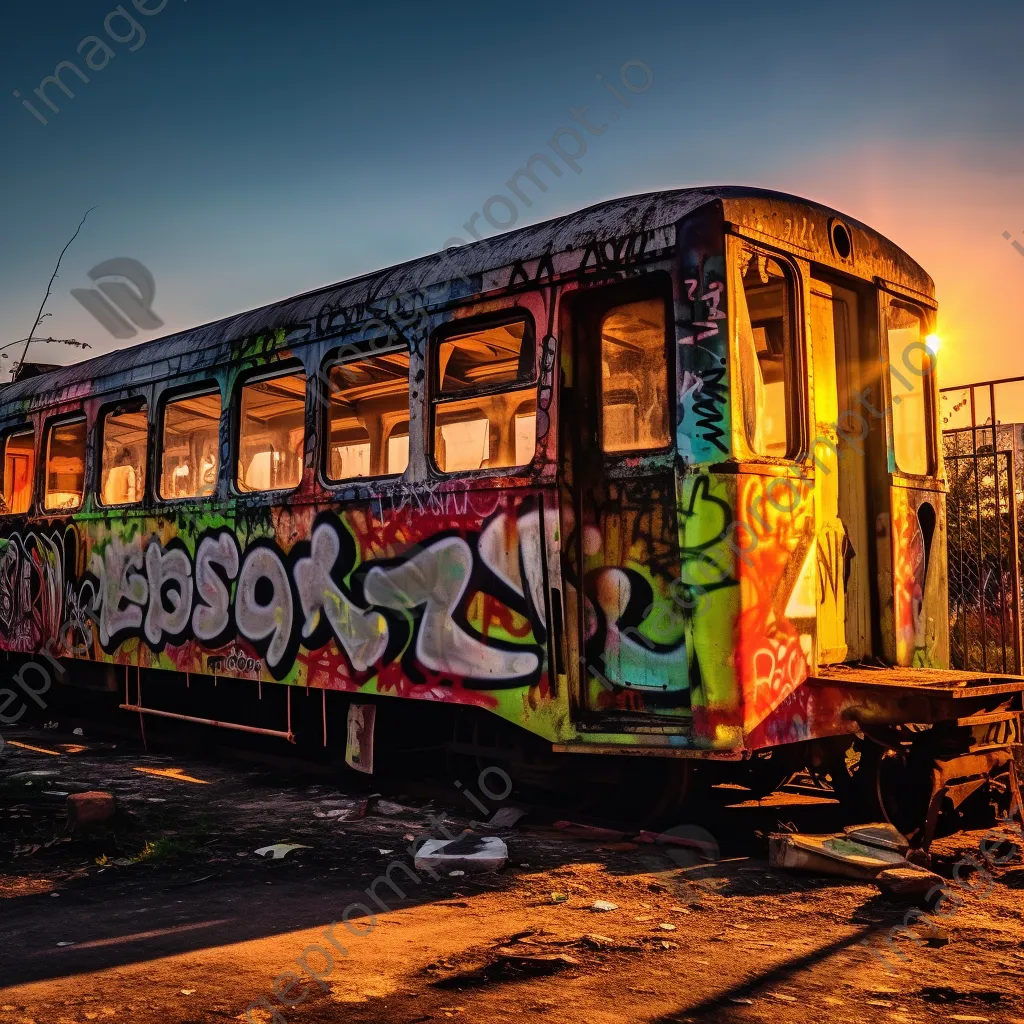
(631, 640)
(841, 492)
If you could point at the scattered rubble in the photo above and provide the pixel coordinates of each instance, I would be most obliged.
(748, 921)
(864, 853)
(88, 810)
(391, 810)
(342, 810)
(911, 882)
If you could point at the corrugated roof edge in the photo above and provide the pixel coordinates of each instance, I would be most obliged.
(609, 219)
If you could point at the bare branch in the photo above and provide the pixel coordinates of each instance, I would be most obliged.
(40, 316)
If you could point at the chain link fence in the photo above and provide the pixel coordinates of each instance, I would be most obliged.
(984, 507)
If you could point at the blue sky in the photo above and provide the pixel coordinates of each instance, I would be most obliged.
(249, 150)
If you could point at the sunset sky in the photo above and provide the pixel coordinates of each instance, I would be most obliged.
(249, 150)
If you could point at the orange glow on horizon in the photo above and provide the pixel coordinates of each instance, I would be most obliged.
(951, 207)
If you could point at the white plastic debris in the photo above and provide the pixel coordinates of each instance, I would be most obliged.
(77, 732)
(279, 850)
(65, 943)
(603, 906)
(456, 874)
(385, 853)
(467, 853)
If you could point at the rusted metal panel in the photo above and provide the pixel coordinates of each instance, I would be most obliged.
(940, 682)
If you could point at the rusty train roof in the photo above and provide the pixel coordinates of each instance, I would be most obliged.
(201, 347)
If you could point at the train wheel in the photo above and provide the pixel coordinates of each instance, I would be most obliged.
(876, 783)
(902, 787)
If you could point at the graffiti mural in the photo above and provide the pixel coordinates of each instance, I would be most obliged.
(320, 592)
(775, 628)
(38, 597)
(460, 614)
(909, 582)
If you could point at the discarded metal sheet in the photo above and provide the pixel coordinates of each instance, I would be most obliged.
(880, 834)
(831, 855)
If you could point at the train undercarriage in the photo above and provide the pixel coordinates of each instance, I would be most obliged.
(928, 778)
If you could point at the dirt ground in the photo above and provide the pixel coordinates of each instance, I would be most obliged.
(168, 916)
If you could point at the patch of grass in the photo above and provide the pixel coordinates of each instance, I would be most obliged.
(163, 849)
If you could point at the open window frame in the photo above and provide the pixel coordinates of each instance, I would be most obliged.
(899, 367)
(525, 383)
(348, 355)
(50, 427)
(14, 430)
(261, 375)
(746, 362)
(197, 389)
(121, 407)
(657, 291)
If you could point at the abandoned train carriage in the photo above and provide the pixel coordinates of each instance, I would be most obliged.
(661, 476)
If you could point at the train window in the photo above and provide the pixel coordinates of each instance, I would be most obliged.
(768, 355)
(634, 378)
(398, 448)
(65, 466)
(484, 416)
(272, 433)
(191, 446)
(123, 462)
(909, 373)
(490, 432)
(19, 468)
(496, 355)
(368, 417)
